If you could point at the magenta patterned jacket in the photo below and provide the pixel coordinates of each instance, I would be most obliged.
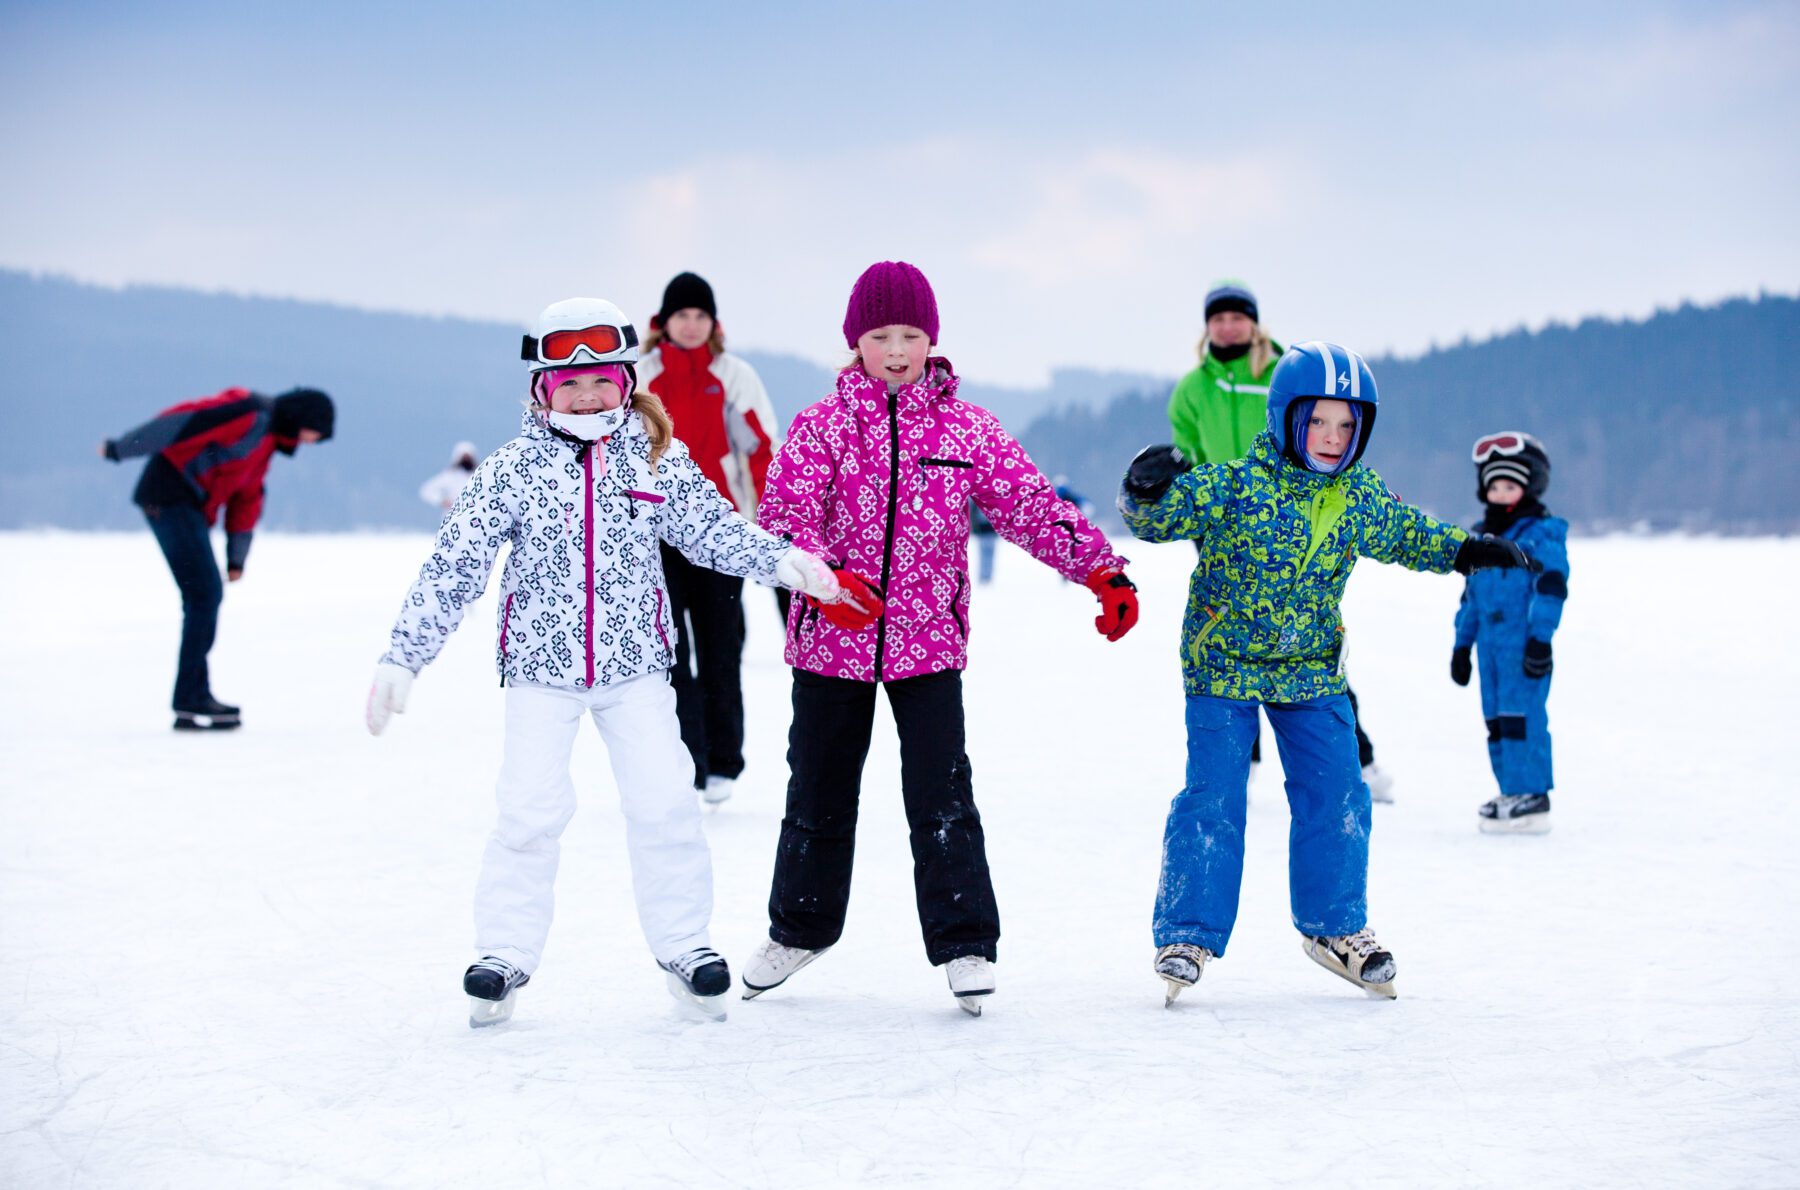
(830, 492)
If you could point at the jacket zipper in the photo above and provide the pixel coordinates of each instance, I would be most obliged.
(505, 629)
(587, 471)
(887, 553)
(962, 584)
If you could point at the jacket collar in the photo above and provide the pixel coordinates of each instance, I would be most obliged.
(867, 397)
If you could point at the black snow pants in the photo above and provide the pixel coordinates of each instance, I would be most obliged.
(827, 745)
(708, 608)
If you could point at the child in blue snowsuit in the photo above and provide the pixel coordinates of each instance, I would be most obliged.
(1278, 532)
(1508, 618)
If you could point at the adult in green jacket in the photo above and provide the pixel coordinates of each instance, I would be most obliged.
(1218, 408)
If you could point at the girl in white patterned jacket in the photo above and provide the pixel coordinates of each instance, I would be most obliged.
(584, 495)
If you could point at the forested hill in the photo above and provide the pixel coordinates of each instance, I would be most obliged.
(1689, 419)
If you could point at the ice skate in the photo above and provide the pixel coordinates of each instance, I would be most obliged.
(699, 980)
(1357, 958)
(718, 790)
(971, 978)
(1381, 785)
(207, 715)
(491, 985)
(1180, 964)
(1516, 814)
(772, 964)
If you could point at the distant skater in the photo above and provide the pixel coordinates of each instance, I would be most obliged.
(210, 455)
(441, 490)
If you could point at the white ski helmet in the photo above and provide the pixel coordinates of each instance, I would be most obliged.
(580, 331)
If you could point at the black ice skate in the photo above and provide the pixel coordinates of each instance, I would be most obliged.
(1516, 814)
(1357, 958)
(699, 981)
(490, 985)
(1180, 965)
(209, 715)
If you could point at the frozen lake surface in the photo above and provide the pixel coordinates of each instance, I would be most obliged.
(235, 960)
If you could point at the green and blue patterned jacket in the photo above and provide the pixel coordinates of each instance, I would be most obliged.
(1277, 544)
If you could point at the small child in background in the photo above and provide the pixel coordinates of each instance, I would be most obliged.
(442, 489)
(1509, 616)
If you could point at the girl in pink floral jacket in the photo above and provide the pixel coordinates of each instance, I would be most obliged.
(878, 479)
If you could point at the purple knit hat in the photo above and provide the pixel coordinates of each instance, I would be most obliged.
(890, 293)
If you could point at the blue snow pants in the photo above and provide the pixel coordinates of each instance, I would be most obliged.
(1328, 840)
(1517, 723)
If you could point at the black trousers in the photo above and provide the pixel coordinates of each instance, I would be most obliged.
(709, 650)
(827, 745)
(186, 542)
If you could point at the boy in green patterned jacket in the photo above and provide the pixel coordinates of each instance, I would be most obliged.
(1278, 533)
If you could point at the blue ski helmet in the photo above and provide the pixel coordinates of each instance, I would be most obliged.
(1316, 370)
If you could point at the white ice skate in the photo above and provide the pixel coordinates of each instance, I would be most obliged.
(1516, 814)
(1381, 785)
(971, 978)
(718, 790)
(699, 980)
(772, 964)
(1356, 958)
(1180, 964)
(492, 985)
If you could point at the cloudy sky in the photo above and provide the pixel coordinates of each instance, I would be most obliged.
(1071, 177)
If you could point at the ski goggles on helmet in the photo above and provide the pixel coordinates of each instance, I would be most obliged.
(559, 347)
(1508, 442)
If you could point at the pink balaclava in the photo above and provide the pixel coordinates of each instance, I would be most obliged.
(550, 379)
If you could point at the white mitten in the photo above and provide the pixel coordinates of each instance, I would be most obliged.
(808, 575)
(387, 695)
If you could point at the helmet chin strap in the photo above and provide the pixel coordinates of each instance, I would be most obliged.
(590, 427)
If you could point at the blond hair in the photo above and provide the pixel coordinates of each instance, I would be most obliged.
(650, 411)
(1262, 349)
(715, 342)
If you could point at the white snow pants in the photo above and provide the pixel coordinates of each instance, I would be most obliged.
(671, 867)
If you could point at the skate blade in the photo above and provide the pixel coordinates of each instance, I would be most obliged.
(1329, 961)
(971, 1004)
(207, 723)
(1531, 824)
(1172, 990)
(708, 1008)
(485, 1013)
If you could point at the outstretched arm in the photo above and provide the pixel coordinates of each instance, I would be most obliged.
(156, 434)
(1022, 505)
(1164, 498)
(1394, 531)
(798, 489)
(701, 523)
(456, 574)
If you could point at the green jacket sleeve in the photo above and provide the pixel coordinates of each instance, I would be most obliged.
(1185, 512)
(1184, 415)
(1392, 530)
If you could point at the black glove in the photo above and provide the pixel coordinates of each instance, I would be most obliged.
(1537, 659)
(1151, 473)
(1460, 667)
(1481, 553)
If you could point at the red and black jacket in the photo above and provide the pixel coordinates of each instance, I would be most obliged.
(211, 453)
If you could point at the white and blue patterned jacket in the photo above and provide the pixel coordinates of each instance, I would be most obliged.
(577, 608)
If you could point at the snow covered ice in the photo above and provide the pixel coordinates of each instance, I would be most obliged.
(235, 959)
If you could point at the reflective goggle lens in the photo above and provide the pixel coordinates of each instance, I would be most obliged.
(1499, 444)
(560, 345)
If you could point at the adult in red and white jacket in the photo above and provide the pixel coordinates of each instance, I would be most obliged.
(723, 416)
(206, 456)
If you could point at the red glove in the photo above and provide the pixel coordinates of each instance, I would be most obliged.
(1118, 601)
(858, 604)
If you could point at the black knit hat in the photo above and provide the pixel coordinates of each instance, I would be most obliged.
(1228, 296)
(304, 409)
(687, 291)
